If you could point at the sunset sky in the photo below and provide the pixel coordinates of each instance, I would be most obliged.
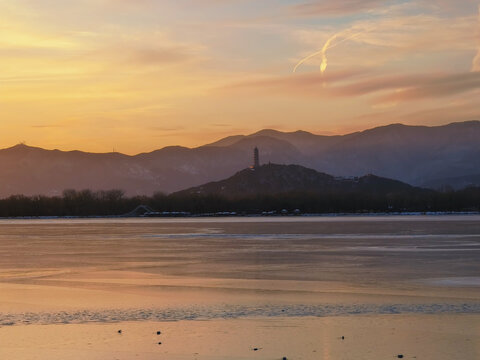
(137, 75)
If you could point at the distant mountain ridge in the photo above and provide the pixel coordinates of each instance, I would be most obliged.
(417, 155)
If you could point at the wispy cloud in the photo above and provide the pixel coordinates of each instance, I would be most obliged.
(308, 83)
(334, 8)
(476, 60)
(166, 128)
(386, 88)
(47, 126)
(435, 87)
(396, 38)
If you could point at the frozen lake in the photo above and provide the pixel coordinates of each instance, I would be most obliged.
(350, 250)
(248, 271)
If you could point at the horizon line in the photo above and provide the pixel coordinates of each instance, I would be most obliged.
(23, 143)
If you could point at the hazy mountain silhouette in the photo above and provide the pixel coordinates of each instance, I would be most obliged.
(416, 155)
(453, 183)
(274, 179)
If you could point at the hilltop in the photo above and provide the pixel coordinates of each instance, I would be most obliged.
(276, 179)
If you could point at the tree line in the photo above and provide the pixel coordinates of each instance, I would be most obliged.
(116, 203)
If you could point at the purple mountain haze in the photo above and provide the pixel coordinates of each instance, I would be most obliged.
(418, 155)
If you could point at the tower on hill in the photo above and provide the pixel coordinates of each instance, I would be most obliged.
(256, 158)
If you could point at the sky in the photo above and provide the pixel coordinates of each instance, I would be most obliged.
(137, 75)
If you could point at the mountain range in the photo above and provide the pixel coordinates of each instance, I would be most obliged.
(434, 157)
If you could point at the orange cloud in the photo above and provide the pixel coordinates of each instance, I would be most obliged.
(310, 83)
(399, 88)
(435, 87)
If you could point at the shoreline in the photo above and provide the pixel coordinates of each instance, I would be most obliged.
(441, 337)
(253, 216)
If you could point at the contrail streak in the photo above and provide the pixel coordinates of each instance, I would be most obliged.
(323, 52)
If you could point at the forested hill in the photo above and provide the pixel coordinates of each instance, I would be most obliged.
(275, 179)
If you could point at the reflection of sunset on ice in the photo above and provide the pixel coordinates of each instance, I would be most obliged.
(220, 287)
